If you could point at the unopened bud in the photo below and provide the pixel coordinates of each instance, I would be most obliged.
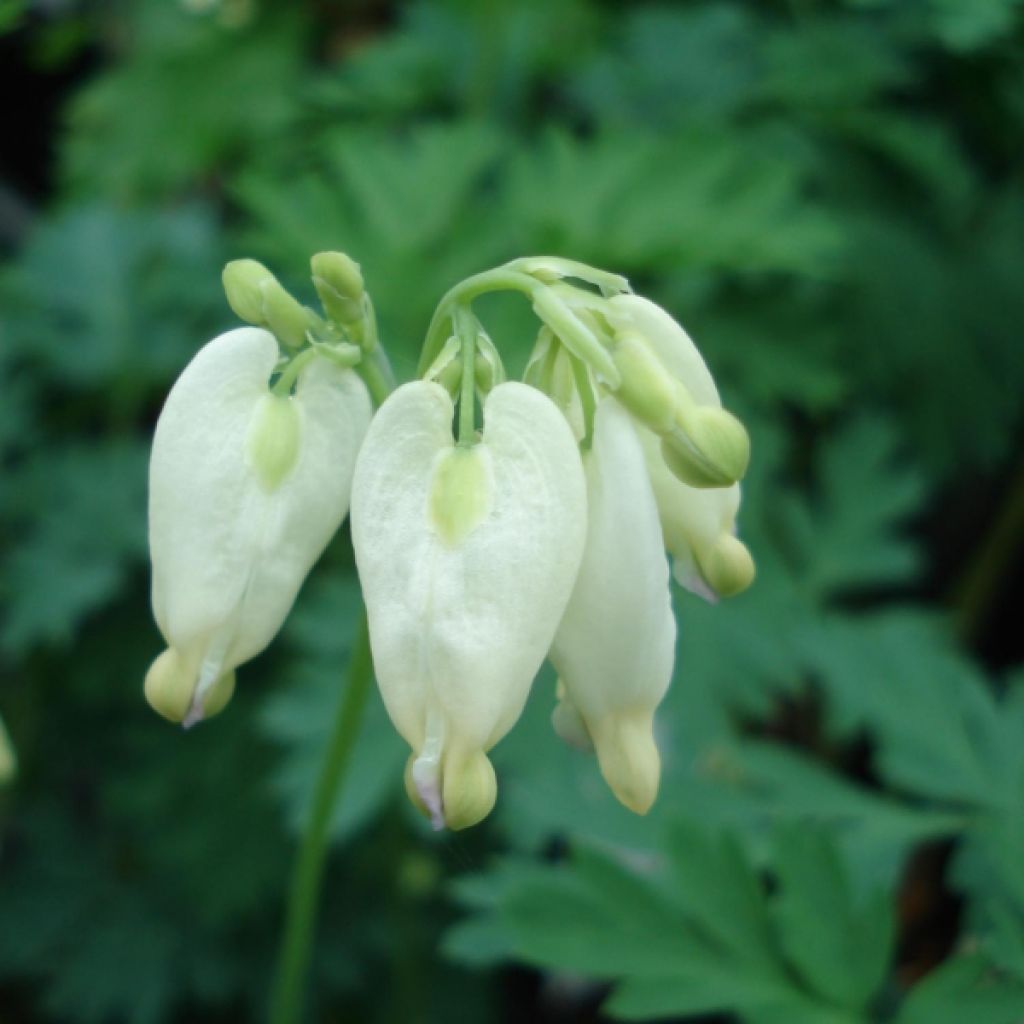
(243, 280)
(708, 447)
(273, 441)
(648, 390)
(283, 314)
(339, 283)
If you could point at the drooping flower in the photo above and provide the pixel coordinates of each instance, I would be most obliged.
(615, 647)
(246, 487)
(467, 554)
(700, 443)
(699, 527)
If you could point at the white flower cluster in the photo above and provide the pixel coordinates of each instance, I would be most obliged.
(482, 549)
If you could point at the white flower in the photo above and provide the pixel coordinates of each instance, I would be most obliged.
(699, 527)
(467, 556)
(245, 490)
(699, 523)
(615, 647)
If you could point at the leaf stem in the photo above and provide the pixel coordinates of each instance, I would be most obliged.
(307, 873)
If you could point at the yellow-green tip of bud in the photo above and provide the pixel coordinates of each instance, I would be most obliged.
(284, 314)
(463, 795)
(728, 567)
(469, 789)
(170, 686)
(242, 282)
(709, 447)
(628, 757)
(339, 283)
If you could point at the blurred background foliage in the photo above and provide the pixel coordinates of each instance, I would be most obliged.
(830, 194)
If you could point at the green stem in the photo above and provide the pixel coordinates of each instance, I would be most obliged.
(376, 374)
(466, 329)
(307, 874)
(499, 279)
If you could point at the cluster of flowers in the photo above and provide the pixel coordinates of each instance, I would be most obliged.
(482, 547)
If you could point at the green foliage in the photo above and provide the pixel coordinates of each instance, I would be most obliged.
(830, 196)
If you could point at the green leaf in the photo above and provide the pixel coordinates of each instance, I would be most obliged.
(963, 989)
(840, 947)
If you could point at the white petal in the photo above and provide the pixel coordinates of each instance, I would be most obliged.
(228, 554)
(673, 345)
(461, 621)
(615, 647)
(696, 522)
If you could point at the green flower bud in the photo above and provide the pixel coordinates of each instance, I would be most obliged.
(648, 390)
(708, 447)
(339, 283)
(286, 317)
(243, 280)
(273, 442)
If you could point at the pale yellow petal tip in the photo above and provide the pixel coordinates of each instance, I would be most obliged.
(170, 687)
(457, 796)
(629, 758)
(729, 567)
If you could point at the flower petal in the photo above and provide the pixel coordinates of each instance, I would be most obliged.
(463, 606)
(669, 340)
(615, 647)
(699, 526)
(229, 552)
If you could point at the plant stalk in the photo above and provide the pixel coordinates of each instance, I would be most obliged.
(307, 874)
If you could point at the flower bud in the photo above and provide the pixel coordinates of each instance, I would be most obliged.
(284, 314)
(8, 760)
(615, 647)
(339, 283)
(711, 448)
(672, 345)
(245, 490)
(242, 281)
(704, 445)
(699, 529)
(648, 390)
(466, 556)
